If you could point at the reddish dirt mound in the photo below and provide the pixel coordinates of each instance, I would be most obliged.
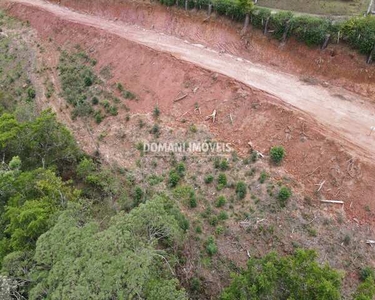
(158, 78)
(337, 65)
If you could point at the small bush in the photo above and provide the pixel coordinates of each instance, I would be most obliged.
(221, 201)
(222, 179)
(120, 87)
(366, 290)
(113, 110)
(138, 195)
(219, 230)
(195, 284)
(156, 112)
(155, 130)
(211, 247)
(181, 169)
(95, 100)
(241, 190)
(31, 93)
(193, 201)
(284, 195)
(223, 216)
(128, 95)
(173, 179)
(214, 220)
(277, 154)
(209, 179)
(88, 81)
(98, 117)
(224, 165)
(193, 128)
(263, 177)
(366, 272)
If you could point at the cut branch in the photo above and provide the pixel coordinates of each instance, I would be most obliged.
(212, 116)
(180, 98)
(332, 201)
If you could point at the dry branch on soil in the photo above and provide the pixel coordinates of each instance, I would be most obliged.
(212, 116)
(180, 98)
(332, 201)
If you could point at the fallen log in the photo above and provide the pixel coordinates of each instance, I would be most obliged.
(332, 201)
(180, 98)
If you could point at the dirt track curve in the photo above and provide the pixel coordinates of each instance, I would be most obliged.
(346, 115)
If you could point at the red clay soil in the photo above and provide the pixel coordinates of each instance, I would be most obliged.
(337, 65)
(158, 78)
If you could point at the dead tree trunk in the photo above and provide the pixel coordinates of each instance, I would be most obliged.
(246, 24)
(209, 9)
(266, 26)
(326, 41)
(369, 59)
(186, 4)
(285, 34)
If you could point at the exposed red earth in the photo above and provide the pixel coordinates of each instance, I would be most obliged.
(324, 127)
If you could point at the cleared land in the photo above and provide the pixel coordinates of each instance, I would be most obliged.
(320, 7)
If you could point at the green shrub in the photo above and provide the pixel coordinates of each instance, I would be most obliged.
(241, 190)
(181, 169)
(366, 290)
(222, 179)
(224, 165)
(360, 33)
(98, 117)
(211, 247)
(310, 30)
(221, 201)
(278, 23)
(284, 195)
(193, 201)
(195, 284)
(298, 276)
(219, 230)
(168, 2)
(223, 216)
(31, 93)
(155, 130)
(214, 220)
(209, 179)
(259, 17)
(277, 154)
(128, 95)
(263, 177)
(366, 272)
(95, 100)
(88, 81)
(193, 128)
(173, 179)
(138, 195)
(113, 110)
(156, 112)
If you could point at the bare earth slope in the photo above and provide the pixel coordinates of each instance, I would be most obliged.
(347, 117)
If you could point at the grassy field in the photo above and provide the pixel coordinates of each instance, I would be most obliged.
(321, 7)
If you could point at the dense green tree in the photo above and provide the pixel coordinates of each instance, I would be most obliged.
(129, 259)
(28, 201)
(9, 129)
(45, 142)
(42, 142)
(291, 277)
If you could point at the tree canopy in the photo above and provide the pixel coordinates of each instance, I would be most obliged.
(298, 276)
(78, 260)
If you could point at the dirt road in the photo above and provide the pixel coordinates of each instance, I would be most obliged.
(345, 115)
